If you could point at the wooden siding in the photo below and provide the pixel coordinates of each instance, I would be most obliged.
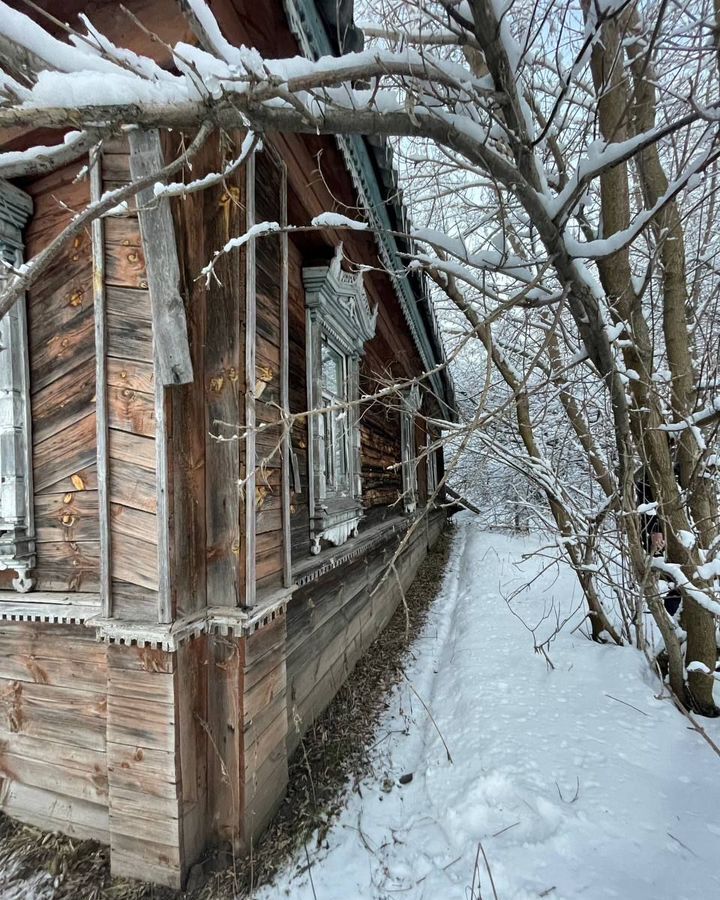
(143, 772)
(62, 380)
(332, 622)
(269, 273)
(247, 708)
(53, 768)
(132, 491)
(207, 416)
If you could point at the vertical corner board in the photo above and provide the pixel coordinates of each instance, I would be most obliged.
(170, 334)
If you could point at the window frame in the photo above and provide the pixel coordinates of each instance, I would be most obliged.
(411, 402)
(338, 314)
(17, 525)
(431, 464)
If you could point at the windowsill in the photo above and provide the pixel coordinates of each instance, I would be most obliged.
(48, 606)
(314, 567)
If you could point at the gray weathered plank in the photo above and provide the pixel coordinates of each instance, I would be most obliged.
(158, 237)
(250, 337)
(101, 406)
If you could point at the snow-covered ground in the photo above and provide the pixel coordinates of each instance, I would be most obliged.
(578, 782)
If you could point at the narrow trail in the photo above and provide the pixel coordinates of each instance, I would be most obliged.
(579, 781)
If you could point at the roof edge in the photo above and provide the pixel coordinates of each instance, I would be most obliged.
(308, 27)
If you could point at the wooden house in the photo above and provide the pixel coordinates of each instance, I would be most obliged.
(192, 564)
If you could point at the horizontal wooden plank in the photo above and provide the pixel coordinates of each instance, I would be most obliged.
(130, 303)
(56, 753)
(68, 566)
(116, 160)
(132, 448)
(129, 338)
(22, 662)
(89, 785)
(139, 659)
(133, 603)
(133, 523)
(54, 812)
(65, 453)
(52, 713)
(157, 688)
(140, 723)
(130, 410)
(72, 516)
(131, 485)
(65, 400)
(144, 771)
(125, 265)
(157, 862)
(124, 373)
(57, 641)
(128, 803)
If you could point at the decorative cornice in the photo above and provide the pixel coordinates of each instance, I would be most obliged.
(51, 608)
(213, 620)
(308, 28)
(84, 609)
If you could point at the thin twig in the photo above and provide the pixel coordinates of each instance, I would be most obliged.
(625, 703)
(489, 871)
(307, 857)
(427, 710)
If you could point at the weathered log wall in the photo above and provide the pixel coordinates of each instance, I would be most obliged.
(62, 382)
(143, 754)
(333, 621)
(132, 489)
(53, 699)
(207, 416)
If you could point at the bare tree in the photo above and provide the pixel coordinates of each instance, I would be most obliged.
(566, 157)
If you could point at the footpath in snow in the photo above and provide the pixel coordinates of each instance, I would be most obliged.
(573, 794)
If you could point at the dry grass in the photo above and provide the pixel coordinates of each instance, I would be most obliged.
(334, 756)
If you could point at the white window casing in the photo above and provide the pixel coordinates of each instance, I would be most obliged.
(339, 322)
(432, 467)
(17, 530)
(410, 407)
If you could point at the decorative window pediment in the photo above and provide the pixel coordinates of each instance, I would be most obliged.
(339, 323)
(337, 299)
(17, 546)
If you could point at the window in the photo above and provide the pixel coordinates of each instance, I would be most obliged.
(339, 323)
(335, 433)
(411, 405)
(432, 467)
(17, 546)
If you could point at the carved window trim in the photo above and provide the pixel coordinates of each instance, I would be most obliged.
(432, 463)
(408, 445)
(17, 526)
(339, 317)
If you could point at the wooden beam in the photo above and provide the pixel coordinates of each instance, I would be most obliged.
(101, 397)
(250, 339)
(285, 385)
(158, 238)
(461, 500)
(162, 488)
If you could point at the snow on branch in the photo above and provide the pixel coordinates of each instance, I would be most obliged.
(180, 188)
(685, 585)
(41, 159)
(706, 416)
(262, 229)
